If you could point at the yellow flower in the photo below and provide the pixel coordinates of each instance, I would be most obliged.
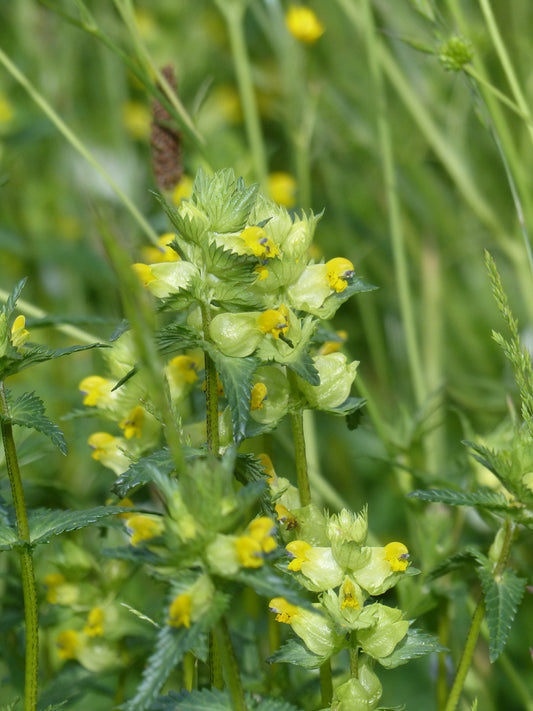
(249, 552)
(143, 528)
(262, 271)
(259, 395)
(285, 611)
(333, 346)
(303, 24)
(51, 582)
(126, 502)
(252, 546)
(6, 110)
(95, 389)
(108, 451)
(298, 550)
(163, 252)
(136, 118)
(67, 643)
(398, 556)
(282, 188)
(267, 465)
(348, 596)
(19, 334)
(183, 369)
(183, 190)
(179, 612)
(144, 272)
(261, 530)
(228, 103)
(132, 424)
(274, 321)
(259, 243)
(339, 270)
(95, 623)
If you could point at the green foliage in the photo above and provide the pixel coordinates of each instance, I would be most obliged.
(225, 200)
(502, 597)
(215, 700)
(482, 498)
(294, 652)
(416, 643)
(32, 355)
(28, 411)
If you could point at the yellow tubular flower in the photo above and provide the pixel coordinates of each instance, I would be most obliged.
(101, 443)
(262, 271)
(95, 389)
(95, 623)
(349, 598)
(298, 550)
(144, 272)
(67, 643)
(19, 334)
(267, 465)
(284, 610)
(339, 270)
(249, 552)
(282, 188)
(163, 252)
(259, 243)
(261, 530)
(183, 189)
(132, 424)
(333, 346)
(274, 321)
(183, 368)
(303, 24)
(398, 556)
(259, 395)
(179, 612)
(143, 528)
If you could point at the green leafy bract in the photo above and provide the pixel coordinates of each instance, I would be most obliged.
(482, 497)
(28, 411)
(171, 646)
(458, 560)
(226, 201)
(295, 652)
(265, 581)
(502, 598)
(415, 644)
(31, 355)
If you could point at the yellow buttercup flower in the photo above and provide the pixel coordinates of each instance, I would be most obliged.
(19, 334)
(95, 623)
(96, 390)
(298, 550)
(339, 270)
(282, 188)
(143, 528)
(68, 643)
(163, 252)
(179, 612)
(274, 321)
(303, 24)
(285, 611)
(259, 395)
(398, 556)
(132, 424)
(259, 243)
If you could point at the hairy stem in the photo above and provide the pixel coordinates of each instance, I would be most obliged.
(29, 591)
(297, 421)
(326, 684)
(211, 393)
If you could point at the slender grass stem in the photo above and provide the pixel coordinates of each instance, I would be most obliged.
(326, 684)
(229, 666)
(125, 8)
(28, 309)
(29, 590)
(233, 13)
(479, 79)
(393, 202)
(475, 626)
(211, 394)
(75, 142)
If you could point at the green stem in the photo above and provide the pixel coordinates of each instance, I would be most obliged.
(297, 421)
(28, 309)
(444, 633)
(477, 619)
(215, 664)
(229, 666)
(476, 76)
(354, 662)
(211, 391)
(326, 684)
(394, 215)
(77, 144)
(29, 591)
(189, 663)
(233, 13)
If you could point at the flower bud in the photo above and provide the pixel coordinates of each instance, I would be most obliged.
(345, 606)
(361, 694)
(336, 378)
(236, 335)
(347, 533)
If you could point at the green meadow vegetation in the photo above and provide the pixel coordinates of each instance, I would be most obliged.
(266, 324)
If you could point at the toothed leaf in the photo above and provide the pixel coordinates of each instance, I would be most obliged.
(28, 411)
(415, 644)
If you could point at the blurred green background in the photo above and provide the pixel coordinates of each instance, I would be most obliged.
(428, 366)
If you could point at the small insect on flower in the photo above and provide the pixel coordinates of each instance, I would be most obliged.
(398, 556)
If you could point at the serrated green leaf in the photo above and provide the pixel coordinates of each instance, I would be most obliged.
(248, 468)
(204, 700)
(415, 644)
(482, 497)
(46, 523)
(11, 707)
(273, 705)
(502, 598)
(176, 337)
(458, 560)
(225, 264)
(12, 299)
(38, 354)
(8, 536)
(148, 468)
(266, 580)
(226, 201)
(236, 377)
(348, 407)
(28, 411)
(295, 652)
(171, 645)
